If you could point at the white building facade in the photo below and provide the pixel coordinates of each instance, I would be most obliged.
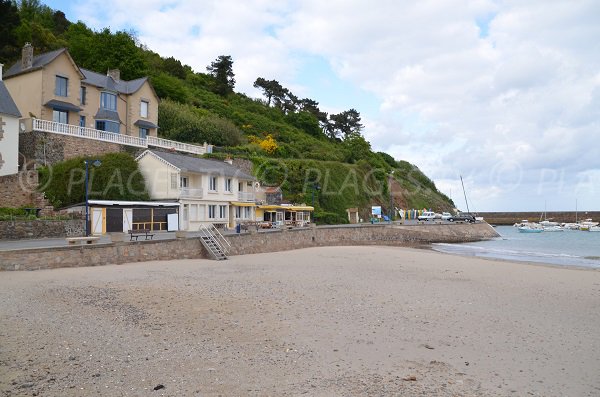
(9, 132)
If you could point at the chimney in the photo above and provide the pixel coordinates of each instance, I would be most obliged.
(114, 73)
(27, 56)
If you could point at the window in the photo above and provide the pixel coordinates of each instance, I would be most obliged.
(144, 108)
(212, 210)
(212, 183)
(222, 211)
(60, 116)
(183, 181)
(228, 185)
(108, 101)
(238, 212)
(61, 86)
(240, 187)
(109, 126)
(143, 133)
(82, 121)
(82, 94)
(247, 212)
(173, 181)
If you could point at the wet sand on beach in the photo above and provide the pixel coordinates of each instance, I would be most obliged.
(334, 321)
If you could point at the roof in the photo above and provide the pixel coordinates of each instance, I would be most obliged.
(38, 62)
(7, 105)
(145, 124)
(105, 114)
(134, 203)
(187, 163)
(53, 103)
(108, 83)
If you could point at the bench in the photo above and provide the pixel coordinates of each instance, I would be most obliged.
(140, 232)
(88, 240)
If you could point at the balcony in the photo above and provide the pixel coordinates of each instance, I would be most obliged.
(28, 125)
(246, 196)
(186, 192)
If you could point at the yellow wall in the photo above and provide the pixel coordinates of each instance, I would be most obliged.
(147, 94)
(158, 178)
(25, 91)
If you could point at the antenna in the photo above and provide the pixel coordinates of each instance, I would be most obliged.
(463, 186)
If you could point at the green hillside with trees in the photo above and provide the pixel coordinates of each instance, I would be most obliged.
(290, 141)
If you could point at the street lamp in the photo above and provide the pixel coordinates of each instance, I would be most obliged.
(391, 211)
(315, 187)
(95, 163)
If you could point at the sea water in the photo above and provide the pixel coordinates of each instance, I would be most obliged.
(567, 248)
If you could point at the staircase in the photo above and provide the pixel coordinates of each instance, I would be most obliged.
(214, 241)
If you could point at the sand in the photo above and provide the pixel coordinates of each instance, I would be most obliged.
(339, 321)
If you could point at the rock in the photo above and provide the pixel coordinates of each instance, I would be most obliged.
(158, 387)
(410, 378)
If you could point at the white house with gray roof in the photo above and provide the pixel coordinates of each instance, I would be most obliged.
(9, 132)
(209, 191)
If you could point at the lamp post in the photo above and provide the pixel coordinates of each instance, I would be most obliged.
(95, 163)
(315, 187)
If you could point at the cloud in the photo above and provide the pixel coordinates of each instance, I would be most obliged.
(495, 90)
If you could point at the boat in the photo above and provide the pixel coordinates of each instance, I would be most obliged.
(523, 222)
(531, 228)
(553, 228)
(587, 224)
(594, 229)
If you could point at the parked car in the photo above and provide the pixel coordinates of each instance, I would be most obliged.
(446, 216)
(426, 216)
(463, 217)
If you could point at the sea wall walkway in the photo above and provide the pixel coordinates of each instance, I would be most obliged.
(246, 243)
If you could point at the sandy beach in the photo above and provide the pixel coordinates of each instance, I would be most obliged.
(336, 321)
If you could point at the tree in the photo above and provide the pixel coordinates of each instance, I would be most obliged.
(9, 21)
(222, 71)
(174, 67)
(271, 89)
(346, 123)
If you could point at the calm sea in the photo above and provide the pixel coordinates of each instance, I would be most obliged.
(568, 248)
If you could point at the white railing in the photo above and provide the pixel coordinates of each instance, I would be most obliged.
(88, 133)
(187, 192)
(246, 196)
(179, 146)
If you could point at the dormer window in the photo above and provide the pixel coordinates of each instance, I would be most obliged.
(62, 84)
(108, 101)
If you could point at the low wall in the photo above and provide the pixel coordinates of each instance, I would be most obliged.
(510, 218)
(19, 229)
(247, 243)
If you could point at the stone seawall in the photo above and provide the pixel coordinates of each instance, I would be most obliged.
(247, 243)
(510, 218)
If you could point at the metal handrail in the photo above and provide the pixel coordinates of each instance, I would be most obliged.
(213, 233)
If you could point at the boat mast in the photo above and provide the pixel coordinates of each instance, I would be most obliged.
(463, 186)
(575, 210)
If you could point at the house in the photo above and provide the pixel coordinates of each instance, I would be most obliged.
(9, 131)
(208, 191)
(52, 87)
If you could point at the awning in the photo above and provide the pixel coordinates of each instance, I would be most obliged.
(104, 114)
(286, 207)
(60, 105)
(240, 204)
(145, 124)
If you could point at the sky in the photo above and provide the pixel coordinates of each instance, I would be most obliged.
(505, 94)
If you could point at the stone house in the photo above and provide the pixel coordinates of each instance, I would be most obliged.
(52, 87)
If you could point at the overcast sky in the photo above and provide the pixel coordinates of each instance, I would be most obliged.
(504, 93)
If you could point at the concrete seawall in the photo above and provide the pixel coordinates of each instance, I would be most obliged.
(247, 243)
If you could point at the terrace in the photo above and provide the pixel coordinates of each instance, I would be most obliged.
(33, 124)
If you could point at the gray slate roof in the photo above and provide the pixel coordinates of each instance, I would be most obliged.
(38, 62)
(145, 124)
(54, 103)
(195, 164)
(92, 78)
(105, 114)
(7, 105)
(107, 82)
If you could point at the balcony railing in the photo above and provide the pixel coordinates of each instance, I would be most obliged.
(105, 136)
(88, 133)
(179, 146)
(191, 193)
(246, 196)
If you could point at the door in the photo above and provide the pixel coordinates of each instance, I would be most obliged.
(172, 222)
(127, 219)
(98, 221)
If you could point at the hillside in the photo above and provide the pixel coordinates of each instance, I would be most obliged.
(289, 140)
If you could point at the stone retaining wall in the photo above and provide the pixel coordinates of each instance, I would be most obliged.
(247, 243)
(19, 230)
